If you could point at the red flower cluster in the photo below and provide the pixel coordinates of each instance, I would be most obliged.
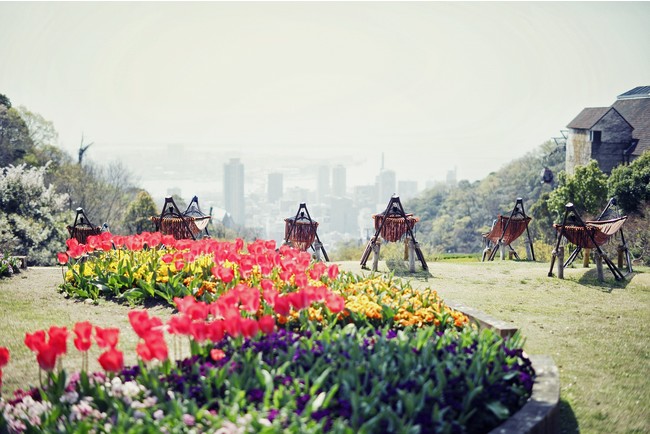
(48, 347)
(53, 344)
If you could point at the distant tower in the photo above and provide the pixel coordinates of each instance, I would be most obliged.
(339, 185)
(233, 190)
(275, 187)
(451, 177)
(386, 185)
(323, 185)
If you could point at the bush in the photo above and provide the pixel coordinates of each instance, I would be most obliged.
(33, 219)
(8, 265)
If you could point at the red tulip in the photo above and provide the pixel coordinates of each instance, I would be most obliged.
(76, 251)
(250, 299)
(46, 357)
(317, 270)
(333, 271)
(152, 349)
(216, 331)
(249, 327)
(270, 295)
(143, 325)
(225, 274)
(282, 305)
(59, 339)
(266, 324)
(197, 311)
(35, 341)
(182, 304)
(62, 257)
(179, 325)
(107, 337)
(4, 357)
(111, 360)
(335, 303)
(83, 331)
(199, 331)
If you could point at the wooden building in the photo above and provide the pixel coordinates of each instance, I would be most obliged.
(610, 135)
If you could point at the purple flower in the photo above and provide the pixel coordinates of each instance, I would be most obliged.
(273, 413)
(255, 395)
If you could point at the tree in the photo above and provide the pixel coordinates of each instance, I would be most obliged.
(139, 212)
(630, 184)
(586, 189)
(15, 142)
(33, 216)
(4, 100)
(44, 138)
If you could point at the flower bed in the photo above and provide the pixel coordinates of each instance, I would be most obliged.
(276, 343)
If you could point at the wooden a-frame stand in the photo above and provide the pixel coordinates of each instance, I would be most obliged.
(394, 209)
(173, 212)
(623, 247)
(570, 210)
(193, 210)
(303, 214)
(517, 211)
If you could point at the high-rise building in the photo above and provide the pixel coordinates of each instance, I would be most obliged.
(233, 190)
(323, 183)
(386, 186)
(339, 185)
(275, 187)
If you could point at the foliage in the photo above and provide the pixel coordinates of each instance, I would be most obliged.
(541, 225)
(637, 234)
(453, 218)
(348, 250)
(630, 184)
(33, 215)
(4, 100)
(138, 214)
(586, 189)
(8, 265)
(15, 142)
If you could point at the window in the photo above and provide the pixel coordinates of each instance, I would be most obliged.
(594, 136)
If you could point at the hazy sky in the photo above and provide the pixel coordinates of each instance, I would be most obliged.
(433, 85)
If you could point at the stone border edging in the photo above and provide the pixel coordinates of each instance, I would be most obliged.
(541, 414)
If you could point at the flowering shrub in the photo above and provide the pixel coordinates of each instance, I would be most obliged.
(277, 343)
(8, 265)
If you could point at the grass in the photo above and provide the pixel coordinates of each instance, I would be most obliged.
(597, 333)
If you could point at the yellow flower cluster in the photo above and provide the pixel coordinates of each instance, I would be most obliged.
(411, 307)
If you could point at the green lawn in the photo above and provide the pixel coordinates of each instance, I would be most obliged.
(598, 334)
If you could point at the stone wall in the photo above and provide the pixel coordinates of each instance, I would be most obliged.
(578, 150)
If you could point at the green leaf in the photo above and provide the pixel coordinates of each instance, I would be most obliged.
(499, 410)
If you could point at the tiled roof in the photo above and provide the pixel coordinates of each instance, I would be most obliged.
(588, 118)
(637, 112)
